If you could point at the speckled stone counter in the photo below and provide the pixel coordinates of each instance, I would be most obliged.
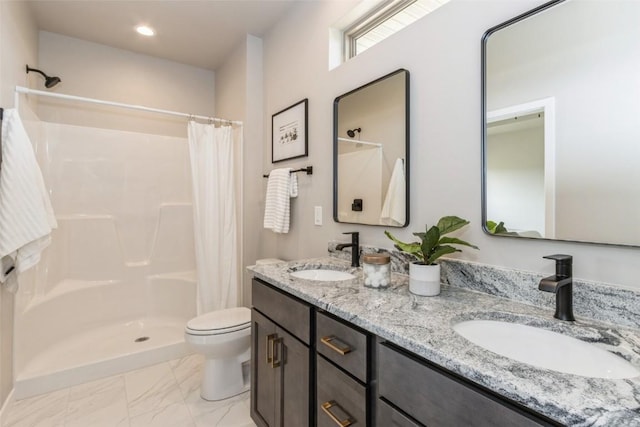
(423, 325)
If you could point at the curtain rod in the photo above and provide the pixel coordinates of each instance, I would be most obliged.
(21, 89)
(357, 141)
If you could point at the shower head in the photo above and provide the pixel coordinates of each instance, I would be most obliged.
(352, 132)
(49, 82)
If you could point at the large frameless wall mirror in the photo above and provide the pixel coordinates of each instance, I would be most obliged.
(371, 153)
(561, 141)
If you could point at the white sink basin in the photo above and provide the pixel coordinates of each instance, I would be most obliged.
(323, 275)
(545, 349)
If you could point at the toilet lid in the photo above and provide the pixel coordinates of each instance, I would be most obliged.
(221, 321)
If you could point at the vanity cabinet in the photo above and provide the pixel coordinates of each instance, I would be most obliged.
(281, 381)
(310, 368)
(414, 392)
(343, 372)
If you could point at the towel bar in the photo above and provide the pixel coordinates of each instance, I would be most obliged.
(308, 170)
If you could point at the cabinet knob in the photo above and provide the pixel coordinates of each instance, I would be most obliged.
(340, 417)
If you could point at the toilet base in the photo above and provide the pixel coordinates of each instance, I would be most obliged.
(223, 378)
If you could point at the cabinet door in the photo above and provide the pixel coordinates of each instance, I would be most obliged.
(293, 384)
(263, 374)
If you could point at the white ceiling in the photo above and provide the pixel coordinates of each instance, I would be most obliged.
(196, 32)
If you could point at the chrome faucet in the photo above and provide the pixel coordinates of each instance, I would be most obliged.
(355, 248)
(562, 285)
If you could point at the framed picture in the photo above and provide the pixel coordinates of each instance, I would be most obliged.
(289, 133)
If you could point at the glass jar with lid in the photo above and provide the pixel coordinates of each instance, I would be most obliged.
(376, 270)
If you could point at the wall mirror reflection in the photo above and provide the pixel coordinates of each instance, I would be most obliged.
(371, 153)
(561, 96)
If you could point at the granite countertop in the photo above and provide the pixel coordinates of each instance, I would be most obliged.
(423, 325)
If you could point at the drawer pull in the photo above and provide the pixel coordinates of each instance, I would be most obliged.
(336, 344)
(277, 354)
(271, 349)
(330, 407)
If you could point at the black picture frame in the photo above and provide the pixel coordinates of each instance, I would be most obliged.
(289, 132)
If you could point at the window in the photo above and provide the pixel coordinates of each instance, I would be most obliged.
(389, 18)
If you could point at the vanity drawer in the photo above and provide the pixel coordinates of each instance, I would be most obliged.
(339, 397)
(288, 312)
(343, 345)
(389, 417)
(438, 399)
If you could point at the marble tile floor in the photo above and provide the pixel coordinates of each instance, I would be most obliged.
(162, 395)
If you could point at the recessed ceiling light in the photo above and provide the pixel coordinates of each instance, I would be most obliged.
(145, 30)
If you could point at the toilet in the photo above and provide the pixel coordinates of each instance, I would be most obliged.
(224, 338)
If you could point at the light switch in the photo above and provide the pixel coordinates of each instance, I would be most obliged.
(317, 215)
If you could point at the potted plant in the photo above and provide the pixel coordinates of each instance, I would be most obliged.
(424, 274)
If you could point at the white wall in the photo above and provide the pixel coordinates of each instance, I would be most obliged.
(96, 71)
(442, 52)
(18, 47)
(515, 178)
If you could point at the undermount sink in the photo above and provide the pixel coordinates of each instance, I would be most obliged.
(545, 349)
(323, 275)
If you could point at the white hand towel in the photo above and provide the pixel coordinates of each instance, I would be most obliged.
(293, 185)
(282, 185)
(26, 216)
(394, 207)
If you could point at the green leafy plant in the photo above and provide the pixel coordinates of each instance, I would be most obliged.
(499, 228)
(495, 228)
(432, 243)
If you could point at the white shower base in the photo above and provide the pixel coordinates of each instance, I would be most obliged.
(81, 331)
(102, 352)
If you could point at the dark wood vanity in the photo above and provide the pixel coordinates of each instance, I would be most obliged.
(312, 368)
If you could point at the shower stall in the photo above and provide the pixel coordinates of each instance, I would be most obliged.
(117, 285)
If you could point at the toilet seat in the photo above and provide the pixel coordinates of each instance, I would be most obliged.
(220, 322)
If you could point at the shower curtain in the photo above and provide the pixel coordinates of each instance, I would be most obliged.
(214, 213)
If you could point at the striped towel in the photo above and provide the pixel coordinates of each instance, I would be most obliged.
(282, 186)
(26, 216)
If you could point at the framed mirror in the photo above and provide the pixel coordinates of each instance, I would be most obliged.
(371, 153)
(560, 140)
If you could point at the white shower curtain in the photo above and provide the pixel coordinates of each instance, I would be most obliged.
(214, 213)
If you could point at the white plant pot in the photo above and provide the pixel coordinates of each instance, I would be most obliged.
(424, 279)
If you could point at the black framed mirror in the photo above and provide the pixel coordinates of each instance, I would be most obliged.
(560, 91)
(371, 153)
